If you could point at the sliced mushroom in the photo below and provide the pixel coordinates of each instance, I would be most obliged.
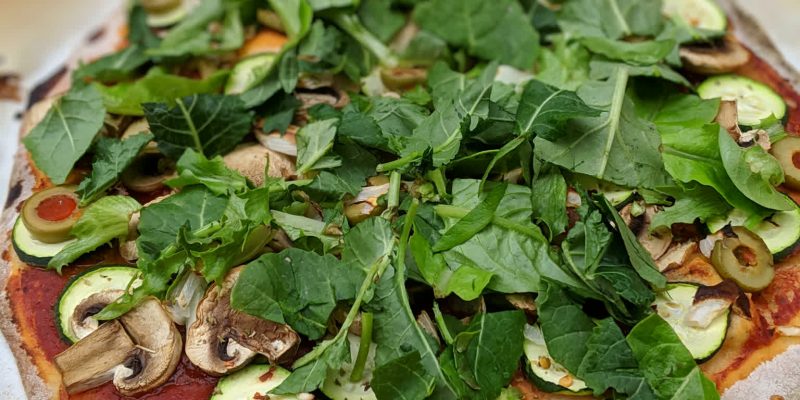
(82, 320)
(728, 118)
(284, 143)
(93, 360)
(710, 302)
(138, 352)
(715, 58)
(333, 97)
(148, 172)
(524, 302)
(656, 242)
(222, 340)
(158, 349)
(252, 159)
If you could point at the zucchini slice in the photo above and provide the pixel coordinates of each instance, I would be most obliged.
(254, 382)
(337, 383)
(545, 373)
(755, 101)
(249, 72)
(674, 304)
(700, 14)
(32, 251)
(85, 284)
(780, 231)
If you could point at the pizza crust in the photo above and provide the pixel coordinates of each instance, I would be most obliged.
(775, 376)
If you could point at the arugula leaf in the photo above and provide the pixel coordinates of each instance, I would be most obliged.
(357, 165)
(209, 124)
(488, 351)
(111, 157)
(477, 219)
(595, 352)
(296, 16)
(496, 30)
(192, 36)
(114, 67)
(280, 113)
(543, 110)
(380, 121)
(380, 19)
(617, 147)
(690, 141)
(548, 200)
(402, 378)
(364, 40)
(754, 172)
(314, 141)
(156, 87)
(319, 5)
(636, 53)
(297, 287)
(694, 202)
(160, 223)
(103, 221)
(299, 227)
(668, 367)
(641, 260)
(66, 132)
(602, 68)
(512, 248)
(195, 169)
(613, 19)
(467, 282)
(565, 66)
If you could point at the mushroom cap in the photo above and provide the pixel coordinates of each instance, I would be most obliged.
(656, 242)
(158, 349)
(82, 321)
(715, 59)
(251, 160)
(222, 339)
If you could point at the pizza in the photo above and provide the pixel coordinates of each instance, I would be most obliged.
(300, 199)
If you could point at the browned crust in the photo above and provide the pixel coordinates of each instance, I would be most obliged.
(42, 381)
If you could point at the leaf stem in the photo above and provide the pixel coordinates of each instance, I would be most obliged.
(614, 115)
(393, 197)
(437, 177)
(399, 163)
(195, 136)
(363, 347)
(446, 211)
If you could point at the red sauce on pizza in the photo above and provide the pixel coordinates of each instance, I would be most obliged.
(56, 208)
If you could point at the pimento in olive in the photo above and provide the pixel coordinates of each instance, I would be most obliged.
(50, 214)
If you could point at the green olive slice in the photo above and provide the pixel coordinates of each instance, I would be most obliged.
(50, 214)
(787, 151)
(744, 258)
(147, 173)
(160, 6)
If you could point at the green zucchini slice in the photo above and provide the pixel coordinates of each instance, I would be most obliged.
(674, 304)
(32, 251)
(337, 383)
(700, 14)
(84, 285)
(755, 101)
(545, 373)
(254, 382)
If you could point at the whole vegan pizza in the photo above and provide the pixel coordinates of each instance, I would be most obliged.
(400, 199)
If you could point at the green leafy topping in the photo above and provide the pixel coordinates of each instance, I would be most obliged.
(209, 124)
(111, 157)
(195, 169)
(66, 132)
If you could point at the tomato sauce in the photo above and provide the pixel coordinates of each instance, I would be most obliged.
(35, 292)
(56, 208)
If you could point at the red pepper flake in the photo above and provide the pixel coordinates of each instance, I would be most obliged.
(259, 396)
(268, 375)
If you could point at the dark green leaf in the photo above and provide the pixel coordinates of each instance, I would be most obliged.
(496, 30)
(614, 19)
(477, 219)
(667, 365)
(549, 200)
(280, 112)
(111, 157)
(66, 132)
(209, 124)
(297, 287)
(379, 18)
(636, 53)
(544, 110)
(403, 378)
(314, 141)
(467, 282)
